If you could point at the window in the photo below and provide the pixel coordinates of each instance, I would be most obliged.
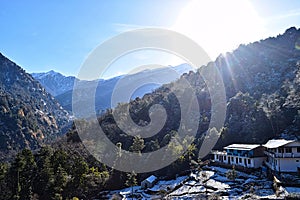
(217, 156)
(245, 161)
(298, 149)
(288, 150)
(274, 150)
(232, 159)
(224, 157)
(236, 160)
(249, 161)
(240, 160)
(280, 150)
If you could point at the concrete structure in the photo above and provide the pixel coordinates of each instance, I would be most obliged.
(283, 155)
(245, 155)
(149, 182)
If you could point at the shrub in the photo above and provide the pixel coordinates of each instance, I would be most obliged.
(231, 174)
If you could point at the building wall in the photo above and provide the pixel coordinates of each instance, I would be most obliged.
(258, 161)
(284, 164)
(145, 184)
(259, 151)
(285, 161)
(288, 164)
(255, 162)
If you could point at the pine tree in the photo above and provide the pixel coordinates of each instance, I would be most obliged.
(131, 181)
(5, 192)
(138, 144)
(45, 175)
(22, 174)
(59, 183)
(79, 172)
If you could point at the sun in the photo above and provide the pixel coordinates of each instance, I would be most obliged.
(219, 26)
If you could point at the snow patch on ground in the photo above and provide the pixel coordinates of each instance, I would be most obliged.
(293, 190)
(168, 185)
(211, 181)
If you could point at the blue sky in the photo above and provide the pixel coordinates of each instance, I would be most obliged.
(59, 35)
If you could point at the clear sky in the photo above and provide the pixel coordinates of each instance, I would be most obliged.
(45, 35)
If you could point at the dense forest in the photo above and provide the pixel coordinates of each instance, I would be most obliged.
(66, 171)
(29, 115)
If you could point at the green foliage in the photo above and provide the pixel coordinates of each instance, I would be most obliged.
(59, 183)
(137, 145)
(22, 173)
(28, 114)
(131, 181)
(79, 171)
(49, 174)
(231, 174)
(4, 188)
(3, 171)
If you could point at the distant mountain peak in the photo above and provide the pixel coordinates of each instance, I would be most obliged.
(61, 86)
(54, 82)
(291, 30)
(44, 74)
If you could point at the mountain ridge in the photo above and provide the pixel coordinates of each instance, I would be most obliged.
(262, 87)
(61, 86)
(29, 115)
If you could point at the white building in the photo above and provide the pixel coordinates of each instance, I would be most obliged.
(245, 155)
(149, 182)
(283, 155)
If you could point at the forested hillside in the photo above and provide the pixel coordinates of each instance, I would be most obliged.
(28, 114)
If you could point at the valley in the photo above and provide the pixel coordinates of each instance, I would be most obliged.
(44, 157)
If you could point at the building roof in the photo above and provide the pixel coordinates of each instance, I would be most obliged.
(151, 179)
(277, 143)
(244, 147)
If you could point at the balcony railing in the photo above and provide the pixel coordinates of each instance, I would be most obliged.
(282, 155)
(239, 154)
(224, 153)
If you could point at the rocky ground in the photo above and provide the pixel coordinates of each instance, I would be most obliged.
(209, 183)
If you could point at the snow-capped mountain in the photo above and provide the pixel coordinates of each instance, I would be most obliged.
(55, 83)
(61, 86)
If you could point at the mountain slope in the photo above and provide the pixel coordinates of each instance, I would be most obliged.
(262, 87)
(28, 114)
(262, 90)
